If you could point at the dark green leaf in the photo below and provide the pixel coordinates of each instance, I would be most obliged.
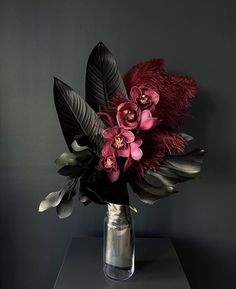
(76, 116)
(187, 137)
(70, 171)
(103, 79)
(51, 200)
(54, 198)
(66, 159)
(85, 157)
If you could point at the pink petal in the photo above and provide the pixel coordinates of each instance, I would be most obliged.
(153, 95)
(109, 133)
(146, 114)
(124, 153)
(137, 154)
(135, 92)
(135, 145)
(107, 149)
(149, 123)
(113, 176)
(128, 135)
(138, 141)
(120, 106)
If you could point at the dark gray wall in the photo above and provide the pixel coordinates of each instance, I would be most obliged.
(42, 39)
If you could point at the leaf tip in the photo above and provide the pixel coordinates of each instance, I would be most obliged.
(42, 207)
(133, 209)
(101, 44)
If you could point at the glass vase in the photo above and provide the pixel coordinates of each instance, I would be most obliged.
(119, 243)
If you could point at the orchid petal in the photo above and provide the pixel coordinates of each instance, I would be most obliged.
(138, 141)
(153, 95)
(135, 92)
(148, 124)
(137, 154)
(128, 135)
(146, 114)
(109, 133)
(124, 153)
(107, 149)
(147, 121)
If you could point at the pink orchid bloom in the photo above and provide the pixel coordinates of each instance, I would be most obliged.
(147, 121)
(135, 153)
(128, 115)
(144, 97)
(119, 139)
(109, 164)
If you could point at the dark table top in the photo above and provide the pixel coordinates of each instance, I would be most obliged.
(157, 266)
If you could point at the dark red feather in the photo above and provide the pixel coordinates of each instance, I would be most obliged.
(176, 92)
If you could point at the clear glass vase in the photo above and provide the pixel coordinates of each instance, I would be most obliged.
(119, 243)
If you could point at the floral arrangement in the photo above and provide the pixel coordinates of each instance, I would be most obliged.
(123, 132)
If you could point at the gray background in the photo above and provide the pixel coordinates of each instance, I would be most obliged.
(42, 39)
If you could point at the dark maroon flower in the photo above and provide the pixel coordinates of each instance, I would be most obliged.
(144, 97)
(128, 115)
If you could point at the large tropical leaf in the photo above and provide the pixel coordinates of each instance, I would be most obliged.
(103, 79)
(76, 116)
(173, 170)
(148, 193)
(179, 168)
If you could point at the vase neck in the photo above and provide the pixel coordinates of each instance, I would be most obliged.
(115, 211)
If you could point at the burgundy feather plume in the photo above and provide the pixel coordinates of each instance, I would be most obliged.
(156, 145)
(176, 92)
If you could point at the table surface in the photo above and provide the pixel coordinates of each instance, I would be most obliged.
(156, 267)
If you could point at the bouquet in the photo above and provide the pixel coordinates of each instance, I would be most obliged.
(123, 132)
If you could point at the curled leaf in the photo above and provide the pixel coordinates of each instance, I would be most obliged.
(133, 209)
(77, 148)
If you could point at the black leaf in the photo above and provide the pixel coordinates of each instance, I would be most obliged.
(148, 193)
(103, 79)
(186, 165)
(76, 116)
(179, 168)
